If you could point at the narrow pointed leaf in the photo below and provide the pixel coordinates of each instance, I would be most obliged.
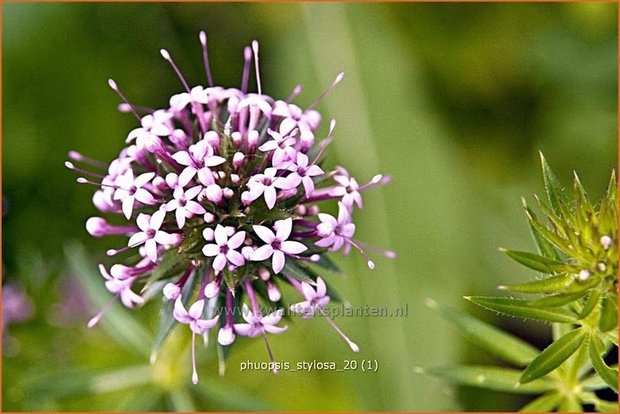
(557, 300)
(545, 248)
(294, 270)
(591, 304)
(495, 341)
(553, 188)
(491, 378)
(609, 314)
(609, 375)
(553, 356)
(523, 309)
(166, 320)
(545, 403)
(551, 284)
(537, 262)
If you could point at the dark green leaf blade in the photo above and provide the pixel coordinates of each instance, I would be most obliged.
(539, 263)
(490, 378)
(609, 375)
(551, 284)
(499, 343)
(553, 188)
(523, 309)
(545, 403)
(553, 356)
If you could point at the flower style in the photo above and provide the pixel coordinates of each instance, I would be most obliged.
(221, 191)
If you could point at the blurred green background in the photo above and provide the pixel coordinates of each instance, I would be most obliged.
(453, 100)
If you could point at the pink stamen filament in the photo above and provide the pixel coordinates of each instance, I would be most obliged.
(71, 166)
(271, 358)
(295, 93)
(327, 91)
(166, 55)
(95, 319)
(255, 49)
(76, 156)
(245, 78)
(205, 57)
(349, 342)
(114, 87)
(194, 372)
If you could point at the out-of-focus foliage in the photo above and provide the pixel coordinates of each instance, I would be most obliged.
(453, 100)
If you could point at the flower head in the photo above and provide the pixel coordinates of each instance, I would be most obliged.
(217, 193)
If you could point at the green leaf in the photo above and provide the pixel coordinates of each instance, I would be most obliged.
(523, 309)
(117, 322)
(557, 300)
(499, 343)
(169, 266)
(591, 304)
(328, 264)
(570, 404)
(539, 263)
(550, 236)
(553, 188)
(545, 248)
(553, 356)
(551, 284)
(294, 270)
(166, 318)
(605, 406)
(609, 314)
(545, 403)
(491, 378)
(609, 375)
(181, 400)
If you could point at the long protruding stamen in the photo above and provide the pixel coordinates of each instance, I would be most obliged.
(369, 262)
(247, 60)
(205, 56)
(295, 93)
(271, 358)
(327, 91)
(124, 108)
(114, 87)
(71, 166)
(349, 342)
(378, 179)
(390, 254)
(114, 252)
(166, 55)
(82, 180)
(95, 319)
(255, 49)
(194, 372)
(328, 139)
(76, 156)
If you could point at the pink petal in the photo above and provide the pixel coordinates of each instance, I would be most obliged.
(283, 228)
(270, 197)
(180, 215)
(268, 146)
(128, 206)
(165, 238)
(172, 205)
(321, 288)
(219, 262)
(247, 314)
(157, 219)
(221, 238)
(186, 175)
(195, 208)
(192, 192)
(273, 318)
(308, 186)
(293, 247)
(195, 311)
(326, 242)
(137, 239)
(274, 329)
(348, 230)
(205, 176)
(262, 253)
(179, 313)
(183, 158)
(143, 179)
(211, 250)
(236, 240)
(264, 233)
(214, 161)
(309, 292)
(202, 325)
(314, 170)
(235, 258)
(327, 218)
(278, 261)
(151, 249)
(244, 329)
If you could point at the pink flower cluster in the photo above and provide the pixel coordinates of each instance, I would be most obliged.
(218, 193)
